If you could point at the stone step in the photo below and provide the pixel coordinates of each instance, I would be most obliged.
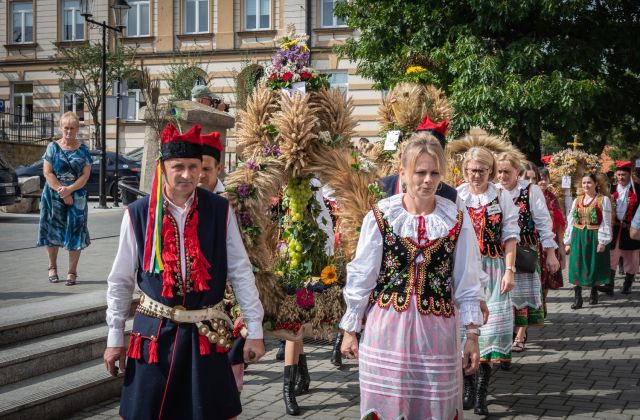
(52, 352)
(58, 394)
(37, 319)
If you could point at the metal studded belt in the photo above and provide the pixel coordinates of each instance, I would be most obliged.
(218, 330)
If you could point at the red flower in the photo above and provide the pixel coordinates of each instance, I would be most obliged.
(305, 75)
(304, 298)
(273, 76)
(287, 76)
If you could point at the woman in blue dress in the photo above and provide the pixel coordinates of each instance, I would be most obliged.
(63, 205)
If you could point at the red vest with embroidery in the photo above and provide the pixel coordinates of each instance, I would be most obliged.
(431, 278)
(488, 229)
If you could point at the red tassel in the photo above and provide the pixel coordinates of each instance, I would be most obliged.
(137, 345)
(205, 346)
(132, 338)
(153, 350)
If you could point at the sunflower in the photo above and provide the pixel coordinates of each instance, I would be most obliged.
(329, 275)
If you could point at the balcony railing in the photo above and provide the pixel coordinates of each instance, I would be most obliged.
(34, 128)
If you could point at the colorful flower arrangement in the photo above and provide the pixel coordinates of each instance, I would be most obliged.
(566, 162)
(291, 65)
(416, 74)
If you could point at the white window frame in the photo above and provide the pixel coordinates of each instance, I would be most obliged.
(23, 14)
(75, 15)
(138, 4)
(342, 86)
(334, 18)
(137, 93)
(196, 4)
(257, 12)
(23, 102)
(75, 96)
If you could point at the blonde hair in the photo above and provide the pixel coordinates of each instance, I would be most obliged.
(484, 157)
(422, 143)
(70, 115)
(510, 158)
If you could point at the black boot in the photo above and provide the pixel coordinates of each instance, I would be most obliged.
(280, 352)
(577, 304)
(505, 365)
(593, 298)
(336, 356)
(482, 386)
(288, 395)
(302, 380)
(469, 392)
(628, 281)
(608, 289)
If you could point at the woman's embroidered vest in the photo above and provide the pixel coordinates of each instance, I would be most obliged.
(528, 233)
(488, 229)
(431, 278)
(590, 216)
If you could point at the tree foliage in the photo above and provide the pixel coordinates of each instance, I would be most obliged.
(514, 67)
(80, 71)
(182, 74)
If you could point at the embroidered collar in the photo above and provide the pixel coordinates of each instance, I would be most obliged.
(474, 201)
(404, 224)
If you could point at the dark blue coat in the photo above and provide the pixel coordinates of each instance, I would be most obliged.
(183, 384)
(390, 187)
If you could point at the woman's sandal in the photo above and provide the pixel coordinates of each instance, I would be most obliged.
(54, 278)
(518, 346)
(71, 281)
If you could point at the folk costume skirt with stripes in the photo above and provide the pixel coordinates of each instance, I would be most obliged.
(410, 366)
(497, 334)
(526, 297)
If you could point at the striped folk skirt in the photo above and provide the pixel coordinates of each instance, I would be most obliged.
(410, 366)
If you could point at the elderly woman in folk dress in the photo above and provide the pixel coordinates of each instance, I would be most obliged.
(415, 278)
(495, 221)
(535, 227)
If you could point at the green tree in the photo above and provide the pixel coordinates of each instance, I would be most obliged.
(520, 67)
(80, 70)
(182, 74)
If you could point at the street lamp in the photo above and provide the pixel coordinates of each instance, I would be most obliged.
(119, 8)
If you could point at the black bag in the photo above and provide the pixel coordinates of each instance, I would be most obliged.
(526, 259)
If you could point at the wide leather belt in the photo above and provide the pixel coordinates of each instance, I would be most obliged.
(219, 329)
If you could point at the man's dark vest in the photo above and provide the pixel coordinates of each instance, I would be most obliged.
(183, 383)
(626, 243)
(488, 229)
(390, 187)
(528, 233)
(432, 278)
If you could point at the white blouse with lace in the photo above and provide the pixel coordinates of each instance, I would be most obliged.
(364, 269)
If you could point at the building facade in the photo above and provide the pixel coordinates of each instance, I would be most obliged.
(220, 37)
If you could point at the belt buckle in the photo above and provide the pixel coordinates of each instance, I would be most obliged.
(172, 313)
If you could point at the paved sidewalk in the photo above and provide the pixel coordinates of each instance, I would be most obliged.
(581, 364)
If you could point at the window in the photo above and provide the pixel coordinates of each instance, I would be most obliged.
(196, 16)
(72, 22)
(72, 99)
(257, 14)
(135, 100)
(328, 18)
(22, 100)
(339, 80)
(138, 22)
(22, 22)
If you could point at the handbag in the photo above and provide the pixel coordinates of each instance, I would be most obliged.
(526, 259)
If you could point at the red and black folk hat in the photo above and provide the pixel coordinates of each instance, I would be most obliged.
(624, 165)
(211, 145)
(439, 130)
(175, 145)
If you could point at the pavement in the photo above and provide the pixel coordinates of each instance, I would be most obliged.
(580, 364)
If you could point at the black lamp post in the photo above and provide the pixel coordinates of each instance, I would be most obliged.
(119, 8)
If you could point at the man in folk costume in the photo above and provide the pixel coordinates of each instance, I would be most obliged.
(391, 185)
(211, 163)
(625, 194)
(179, 245)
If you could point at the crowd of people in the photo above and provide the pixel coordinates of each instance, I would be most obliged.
(444, 284)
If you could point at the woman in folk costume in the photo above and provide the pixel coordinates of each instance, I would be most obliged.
(552, 281)
(415, 279)
(535, 227)
(179, 246)
(495, 221)
(587, 240)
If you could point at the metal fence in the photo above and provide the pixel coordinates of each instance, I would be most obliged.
(33, 128)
